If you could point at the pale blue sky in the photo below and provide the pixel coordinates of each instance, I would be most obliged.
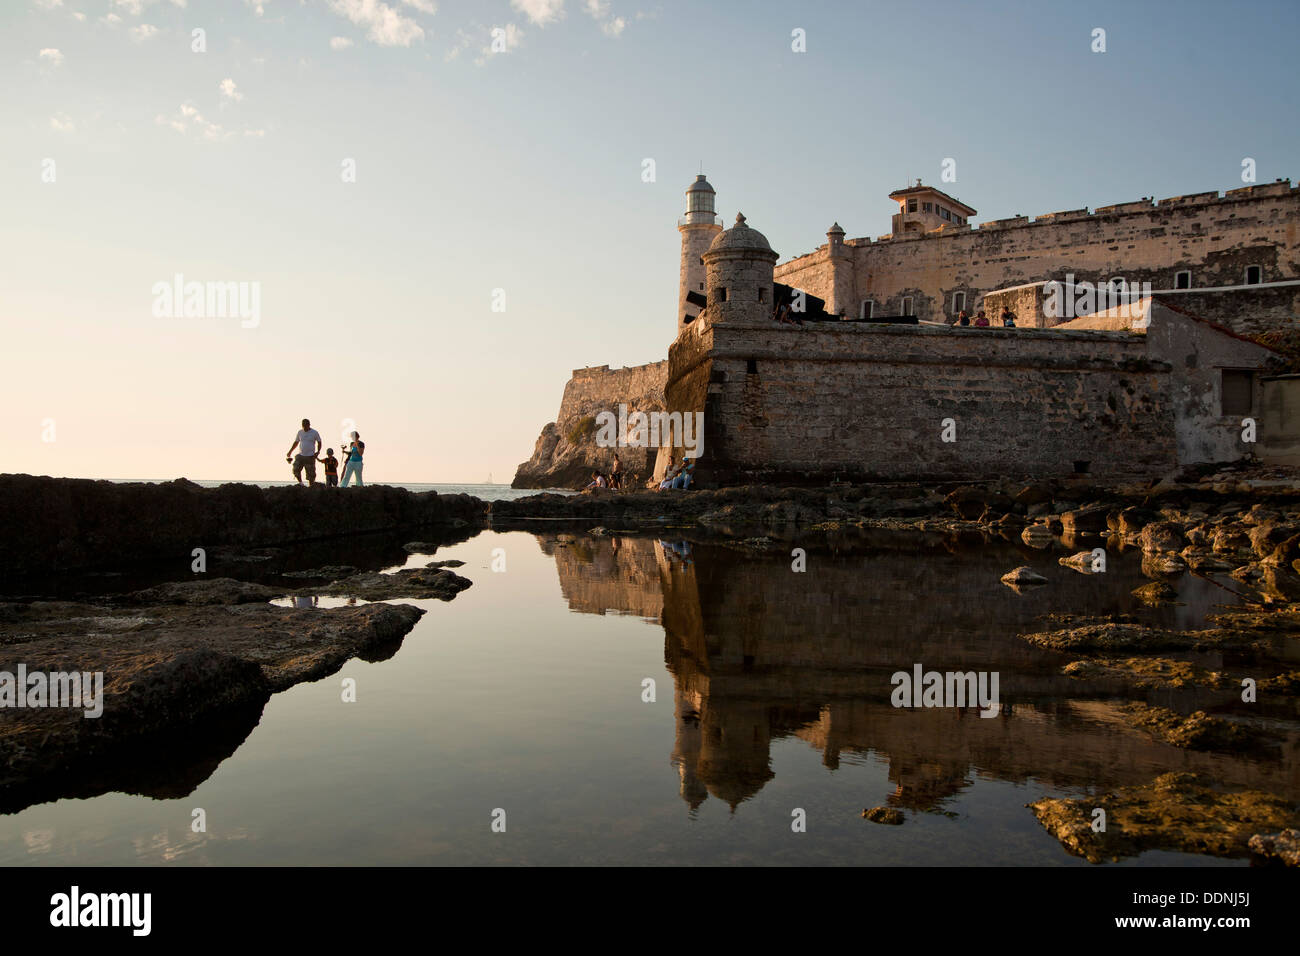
(522, 171)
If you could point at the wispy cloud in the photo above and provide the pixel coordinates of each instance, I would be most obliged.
(48, 4)
(62, 123)
(383, 25)
(189, 121)
(228, 91)
(136, 7)
(598, 10)
(464, 40)
(424, 6)
(540, 12)
(51, 56)
(339, 43)
(143, 32)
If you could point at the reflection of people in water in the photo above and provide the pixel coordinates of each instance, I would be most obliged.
(302, 600)
(681, 550)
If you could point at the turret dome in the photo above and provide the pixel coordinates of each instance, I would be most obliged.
(740, 237)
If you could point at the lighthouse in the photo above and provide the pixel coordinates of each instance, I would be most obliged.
(698, 227)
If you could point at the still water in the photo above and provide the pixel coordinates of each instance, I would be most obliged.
(771, 693)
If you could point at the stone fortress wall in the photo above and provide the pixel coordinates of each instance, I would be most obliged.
(1214, 237)
(1245, 309)
(792, 404)
(566, 452)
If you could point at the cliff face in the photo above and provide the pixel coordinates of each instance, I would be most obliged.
(566, 452)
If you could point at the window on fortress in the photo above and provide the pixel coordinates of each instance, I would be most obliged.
(762, 294)
(958, 301)
(1253, 275)
(927, 207)
(944, 213)
(911, 205)
(1183, 280)
(907, 305)
(722, 293)
(868, 308)
(1236, 391)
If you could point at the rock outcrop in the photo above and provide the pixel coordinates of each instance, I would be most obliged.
(1177, 811)
(168, 671)
(566, 452)
(64, 524)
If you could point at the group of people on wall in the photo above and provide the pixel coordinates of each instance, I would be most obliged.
(981, 321)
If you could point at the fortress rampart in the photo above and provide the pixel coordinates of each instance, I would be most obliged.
(1214, 238)
(802, 404)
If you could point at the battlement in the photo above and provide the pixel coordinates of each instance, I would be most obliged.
(1281, 187)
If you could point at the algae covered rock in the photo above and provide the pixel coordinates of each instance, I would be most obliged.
(1156, 593)
(890, 815)
(1176, 811)
(1281, 847)
(1022, 576)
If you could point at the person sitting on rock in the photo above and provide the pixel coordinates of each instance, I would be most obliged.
(597, 481)
(963, 318)
(685, 474)
(670, 474)
(1008, 319)
(616, 475)
(981, 320)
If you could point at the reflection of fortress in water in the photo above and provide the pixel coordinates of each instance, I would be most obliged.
(760, 654)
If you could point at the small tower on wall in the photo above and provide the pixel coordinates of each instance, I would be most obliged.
(841, 291)
(738, 276)
(698, 227)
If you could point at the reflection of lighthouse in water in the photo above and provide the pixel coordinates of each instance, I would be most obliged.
(686, 751)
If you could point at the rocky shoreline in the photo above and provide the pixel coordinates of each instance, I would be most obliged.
(199, 655)
(188, 663)
(56, 525)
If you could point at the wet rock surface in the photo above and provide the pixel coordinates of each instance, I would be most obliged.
(1177, 811)
(1023, 576)
(204, 591)
(165, 668)
(889, 815)
(1196, 731)
(1283, 848)
(416, 583)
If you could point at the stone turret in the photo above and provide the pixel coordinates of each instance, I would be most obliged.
(738, 276)
(841, 291)
(698, 228)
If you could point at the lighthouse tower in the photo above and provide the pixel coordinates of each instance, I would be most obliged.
(698, 227)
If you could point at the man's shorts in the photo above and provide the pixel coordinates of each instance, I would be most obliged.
(304, 461)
